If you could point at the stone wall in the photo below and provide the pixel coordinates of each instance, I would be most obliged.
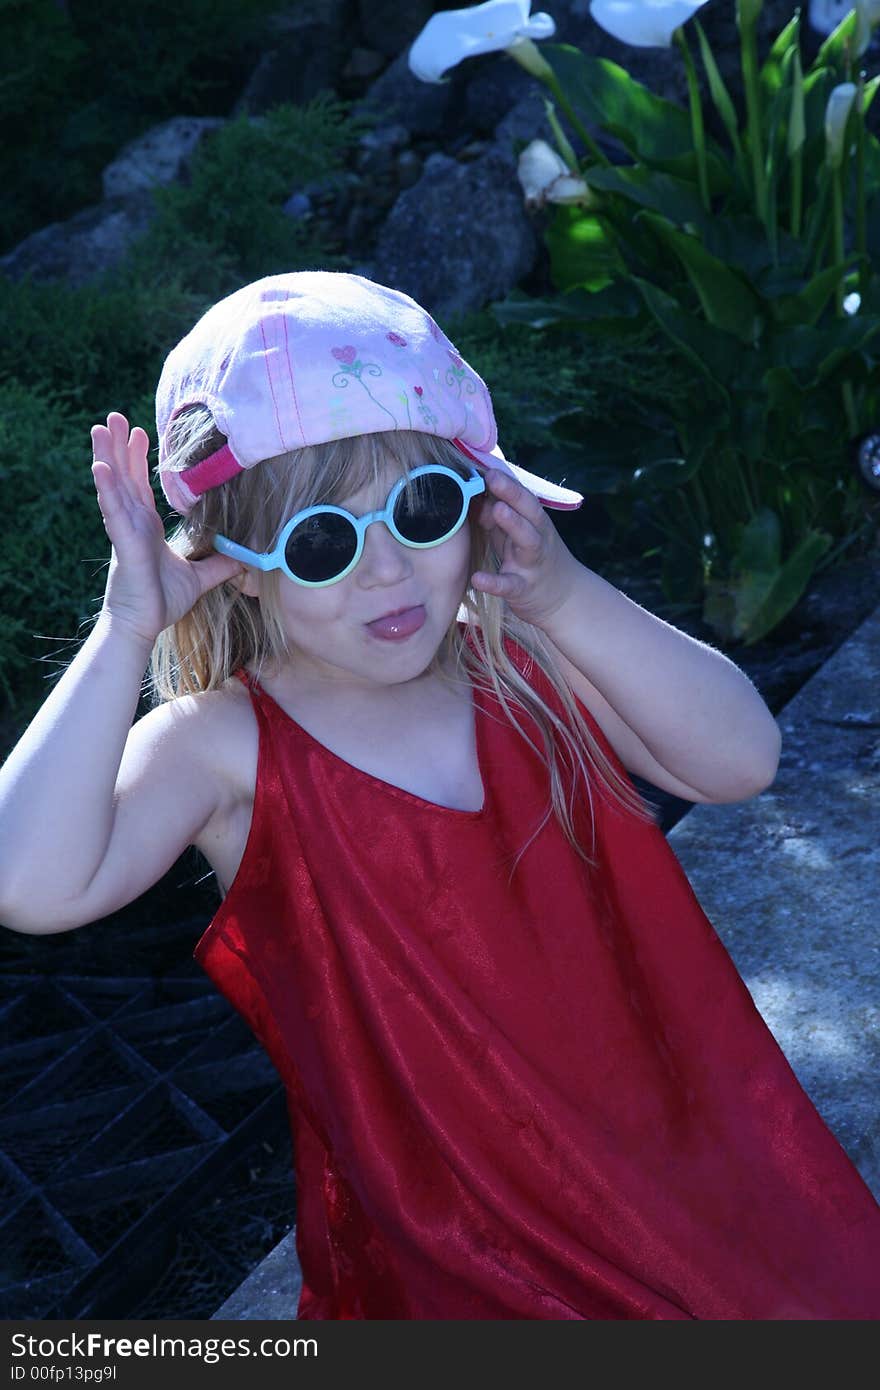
(430, 201)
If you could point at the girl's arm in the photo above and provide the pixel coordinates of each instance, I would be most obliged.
(92, 811)
(676, 711)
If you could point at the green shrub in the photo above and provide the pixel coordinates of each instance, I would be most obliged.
(98, 346)
(576, 410)
(55, 548)
(78, 81)
(227, 224)
(70, 355)
(91, 347)
(755, 253)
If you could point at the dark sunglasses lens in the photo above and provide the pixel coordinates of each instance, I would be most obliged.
(429, 509)
(321, 547)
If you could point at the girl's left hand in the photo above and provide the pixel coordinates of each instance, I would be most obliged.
(537, 570)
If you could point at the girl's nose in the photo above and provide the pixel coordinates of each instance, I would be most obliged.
(385, 560)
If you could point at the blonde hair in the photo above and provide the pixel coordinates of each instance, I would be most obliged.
(227, 630)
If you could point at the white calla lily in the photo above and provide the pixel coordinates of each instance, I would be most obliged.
(867, 19)
(836, 116)
(453, 35)
(546, 178)
(643, 23)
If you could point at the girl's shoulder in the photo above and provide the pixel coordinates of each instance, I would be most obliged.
(217, 731)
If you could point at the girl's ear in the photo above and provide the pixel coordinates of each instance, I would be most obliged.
(247, 582)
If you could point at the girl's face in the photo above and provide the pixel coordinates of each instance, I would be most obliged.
(327, 628)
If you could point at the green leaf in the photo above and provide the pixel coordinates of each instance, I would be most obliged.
(846, 338)
(814, 353)
(771, 74)
(783, 392)
(681, 576)
(583, 250)
(800, 303)
(749, 424)
(817, 222)
(760, 545)
(764, 597)
(597, 474)
(720, 95)
(797, 130)
(834, 50)
(575, 309)
(728, 300)
(713, 352)
(609, 457)
(650, 128)
(806, 410)
(649, 188)
(666, 472)
(776, 113)
(740, 241)
(701, 433)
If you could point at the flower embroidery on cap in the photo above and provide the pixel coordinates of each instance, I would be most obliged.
(456, 375)
(352, 366)
(426, 413)
(396, 339)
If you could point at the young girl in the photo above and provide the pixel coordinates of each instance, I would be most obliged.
(525, 1079)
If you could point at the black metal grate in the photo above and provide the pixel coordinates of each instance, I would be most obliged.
(145, 1155)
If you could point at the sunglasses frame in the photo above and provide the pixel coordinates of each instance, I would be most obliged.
(274, 559)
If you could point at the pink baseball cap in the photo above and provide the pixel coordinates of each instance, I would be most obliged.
(315, 355)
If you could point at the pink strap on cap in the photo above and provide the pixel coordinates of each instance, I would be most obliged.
(184, 489)
(217, 468)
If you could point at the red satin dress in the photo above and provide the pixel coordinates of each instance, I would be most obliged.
(547, 1098)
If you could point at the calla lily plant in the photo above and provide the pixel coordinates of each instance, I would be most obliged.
(644, 23)
(498, 25)
(745, 232)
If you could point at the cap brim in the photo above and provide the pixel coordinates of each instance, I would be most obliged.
(549, 494)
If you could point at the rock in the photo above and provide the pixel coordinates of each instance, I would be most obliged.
(364, 64)
(425, 108)
(86, 245)
(388, 26)
(495, 84)
(459, 238)
(409, 168)
(161, 156)
(361, 224)
(390, 137)
(474, 149)
(377, 149)
(525, 122)
(298, 205)
(310, 44)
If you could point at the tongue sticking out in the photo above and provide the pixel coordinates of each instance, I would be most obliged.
(400, 625)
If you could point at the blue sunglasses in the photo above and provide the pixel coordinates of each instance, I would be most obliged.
(321, 545)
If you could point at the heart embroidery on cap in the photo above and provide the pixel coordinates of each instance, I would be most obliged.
(418, 390)
(346, 355)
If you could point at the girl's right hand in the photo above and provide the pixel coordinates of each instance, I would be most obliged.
(149, 586)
